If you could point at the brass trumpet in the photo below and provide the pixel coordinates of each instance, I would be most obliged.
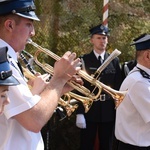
(29, 73)
(65, 104)
(117, 95)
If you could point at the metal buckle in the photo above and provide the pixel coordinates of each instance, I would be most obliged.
(3, 75)
(102, 97)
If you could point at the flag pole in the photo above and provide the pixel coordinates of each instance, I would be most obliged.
(105, 12)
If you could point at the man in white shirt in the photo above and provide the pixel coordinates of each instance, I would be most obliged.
(29, 110)
(132, 117)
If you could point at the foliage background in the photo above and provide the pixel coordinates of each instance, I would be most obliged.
(65, 26)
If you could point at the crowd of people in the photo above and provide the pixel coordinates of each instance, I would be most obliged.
(25, 111)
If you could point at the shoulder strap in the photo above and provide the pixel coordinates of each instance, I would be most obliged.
(144, 74)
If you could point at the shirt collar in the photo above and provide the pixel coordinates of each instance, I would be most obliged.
(102, 54)
(144, 68)
(11, 52)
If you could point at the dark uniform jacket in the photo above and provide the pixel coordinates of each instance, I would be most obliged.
(127, 67)
(101, 111)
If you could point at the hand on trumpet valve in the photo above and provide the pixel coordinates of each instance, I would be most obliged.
(66, 67)
(76, 79)
(39, 83)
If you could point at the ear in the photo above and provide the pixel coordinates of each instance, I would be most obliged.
(91, 40)
(147, 55)
(9, 24)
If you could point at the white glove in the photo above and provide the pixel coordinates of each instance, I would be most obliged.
(80, 121)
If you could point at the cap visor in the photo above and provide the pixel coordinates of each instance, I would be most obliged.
(29, 15)
(144, 39)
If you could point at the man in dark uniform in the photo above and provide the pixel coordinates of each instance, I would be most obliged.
(101, 116)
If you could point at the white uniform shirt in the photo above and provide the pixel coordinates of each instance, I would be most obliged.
(133, 114)
(12, 135)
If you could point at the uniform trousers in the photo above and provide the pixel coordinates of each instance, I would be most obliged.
(105, 135)
(125, 146)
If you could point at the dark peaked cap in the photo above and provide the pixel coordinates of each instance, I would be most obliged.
(142, 42)
(23, 8)
(99, 29)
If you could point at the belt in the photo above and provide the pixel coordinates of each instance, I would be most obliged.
(103, 97)
(125, 146)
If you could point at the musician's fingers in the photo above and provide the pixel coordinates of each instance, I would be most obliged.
(77, 79)
(46, 77)
(72, 56)
(66, 55)
(69, 56)
(37, 74)
(77, 63)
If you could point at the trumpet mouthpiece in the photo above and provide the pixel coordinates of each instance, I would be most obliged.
(29, 41)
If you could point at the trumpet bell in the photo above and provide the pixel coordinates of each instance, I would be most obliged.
(118, 96)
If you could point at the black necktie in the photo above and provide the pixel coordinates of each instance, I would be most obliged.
(19, 65)
(100, 59)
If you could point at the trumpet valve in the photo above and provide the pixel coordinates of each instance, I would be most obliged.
(70, 109)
